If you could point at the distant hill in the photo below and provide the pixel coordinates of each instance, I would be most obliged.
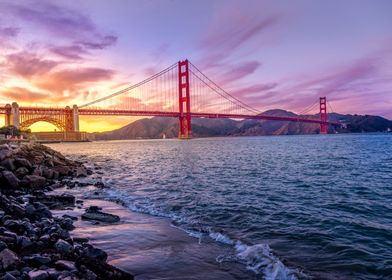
(157, 127)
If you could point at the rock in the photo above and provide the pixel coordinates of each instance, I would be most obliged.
(21, 172)
(9, 164)
(65, 265)
(38, 210)
(8, 276)
(103, 270)
(3, 245)
(34, 181)
(8, 259)
(67, 224)
(62, 170)
(10, 179)
(47, 173)
(80, 239)
(37, 260)
(92, 213)
(81, 171)
(5, 153)
(22, 162)
(94, 253)
(24, 242)
(55, 201)
(63, 247)
(38, 275)
(11, 207)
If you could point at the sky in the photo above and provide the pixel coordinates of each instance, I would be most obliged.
(270, 54)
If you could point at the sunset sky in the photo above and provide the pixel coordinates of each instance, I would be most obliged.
(286, 53)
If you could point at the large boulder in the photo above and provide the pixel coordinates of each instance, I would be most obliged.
(22, 162)
(34, 181)
(9, 179)
(9, 164)
(38, 275)
(62, 170)
(21, 172)
(93, 213)
(5, 153)
(63, 247)
(8, 259)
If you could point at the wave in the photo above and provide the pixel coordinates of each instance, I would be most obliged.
(258, 258)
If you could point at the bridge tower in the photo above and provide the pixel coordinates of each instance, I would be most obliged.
(184, 123)
(323, 115)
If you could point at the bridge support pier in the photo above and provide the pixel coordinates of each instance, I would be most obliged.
(323, 115)
(14, 118)
(7, 117)
(75, 118)
(184, 121)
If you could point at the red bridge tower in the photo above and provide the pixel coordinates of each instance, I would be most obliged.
(184, 123)
(323, 115)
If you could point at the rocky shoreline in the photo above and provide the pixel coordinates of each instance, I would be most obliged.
(34, 244)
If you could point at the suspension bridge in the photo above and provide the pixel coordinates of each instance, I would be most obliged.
(181, 91)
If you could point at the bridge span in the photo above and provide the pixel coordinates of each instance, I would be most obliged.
(181, 91)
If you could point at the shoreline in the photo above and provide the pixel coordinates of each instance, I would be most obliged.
(150, 247)
(34, 243)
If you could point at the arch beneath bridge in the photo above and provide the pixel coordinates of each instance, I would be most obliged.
(56, 122)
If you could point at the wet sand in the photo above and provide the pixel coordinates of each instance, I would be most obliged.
(150, 248)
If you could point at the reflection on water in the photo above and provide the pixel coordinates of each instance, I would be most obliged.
(321, 204)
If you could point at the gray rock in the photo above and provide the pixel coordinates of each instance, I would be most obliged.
(62, 170)
(63, 247)
(21, 172)
(3, 245)
(93, 213)
(37, 260)
(95, 253)
(8, 276)
(24, 242)
(22, 162)
(81, 171)
(34, 181)
(38, 275)
(10, 179)
(65, 265)
(9, 164)
(8, 259)
(47, 173)
(5, 153)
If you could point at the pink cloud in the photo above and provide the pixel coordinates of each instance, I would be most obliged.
(72, 79)
(26, 64)
(23, 95)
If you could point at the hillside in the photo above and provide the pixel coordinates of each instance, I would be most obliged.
(157, 127)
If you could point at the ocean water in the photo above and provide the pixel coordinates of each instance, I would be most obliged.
(292, 207)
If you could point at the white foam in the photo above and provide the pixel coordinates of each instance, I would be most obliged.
(257, 258)
(261, 260)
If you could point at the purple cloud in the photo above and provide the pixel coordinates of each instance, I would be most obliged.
(71, 52)
(8, 32)
(253, 89)
(63, 22)
(27, 64)
(239, 71)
